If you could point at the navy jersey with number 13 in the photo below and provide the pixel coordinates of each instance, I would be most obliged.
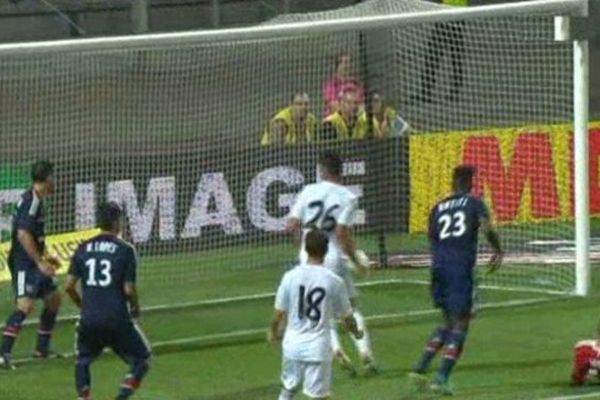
(453, 230)
(104, 264)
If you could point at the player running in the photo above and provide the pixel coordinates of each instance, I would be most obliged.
(308, 298)
(330, 206)
(453, 230)
(31, 267)
(106, 266)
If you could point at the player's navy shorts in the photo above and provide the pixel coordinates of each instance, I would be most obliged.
(452, 288)
(28, 280)
(124, 339)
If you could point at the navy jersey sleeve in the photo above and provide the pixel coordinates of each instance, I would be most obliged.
(26, 212)
(131, 266)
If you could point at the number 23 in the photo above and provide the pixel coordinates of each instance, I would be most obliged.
(452, 225)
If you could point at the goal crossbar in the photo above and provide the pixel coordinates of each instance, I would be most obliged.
(536, 7)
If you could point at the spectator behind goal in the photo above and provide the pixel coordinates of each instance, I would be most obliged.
(341, 82)
(293, 124)
(386, 120)
(346, 123)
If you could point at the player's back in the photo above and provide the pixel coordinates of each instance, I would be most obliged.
(453, 229)
(30, 217)
(104, 264)
(325, 205)
(314, 296)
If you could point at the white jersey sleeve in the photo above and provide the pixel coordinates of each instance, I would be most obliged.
(297, 210)
(341, 300)
(282, 299)
(348, 213)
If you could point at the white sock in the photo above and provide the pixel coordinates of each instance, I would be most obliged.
(362, 345)
(285, 395)
(336, 346)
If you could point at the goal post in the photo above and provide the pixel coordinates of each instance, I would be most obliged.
(170, 126)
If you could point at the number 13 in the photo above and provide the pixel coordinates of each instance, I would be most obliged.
(105, 269)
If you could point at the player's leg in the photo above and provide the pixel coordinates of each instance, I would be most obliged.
(338, 351)
(292, 374)
(363, 345)
(434, 344)
(52, 301)
(89, 345)
(24, 286)
(317, 380)
(133, 347)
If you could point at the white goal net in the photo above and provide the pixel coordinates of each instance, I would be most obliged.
(171, 127)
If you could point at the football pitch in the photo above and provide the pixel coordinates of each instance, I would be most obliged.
(519, 346)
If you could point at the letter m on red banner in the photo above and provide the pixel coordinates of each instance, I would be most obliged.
(531, 164)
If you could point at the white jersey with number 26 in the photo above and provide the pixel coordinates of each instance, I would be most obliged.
(325, 205)
(311, 296)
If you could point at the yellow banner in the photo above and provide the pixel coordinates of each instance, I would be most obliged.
(62, 246)
(524, 173)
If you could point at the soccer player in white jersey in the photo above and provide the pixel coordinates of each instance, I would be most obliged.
(330, 206)
(308, 299)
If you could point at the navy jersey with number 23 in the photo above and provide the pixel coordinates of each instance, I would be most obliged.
(104, 264)
(453, 230)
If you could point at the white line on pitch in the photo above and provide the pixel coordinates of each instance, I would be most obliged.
(575, 397)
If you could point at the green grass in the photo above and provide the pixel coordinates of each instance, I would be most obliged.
(512, 353)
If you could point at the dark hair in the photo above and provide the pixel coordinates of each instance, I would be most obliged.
(41, 170)
(108, 215)
(463, 177)
(331, 162)
(316, 243)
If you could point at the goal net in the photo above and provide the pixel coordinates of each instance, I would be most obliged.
(170, 126)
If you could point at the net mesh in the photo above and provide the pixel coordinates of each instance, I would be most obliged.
(173, 133)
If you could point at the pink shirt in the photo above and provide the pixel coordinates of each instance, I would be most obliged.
(336, 85)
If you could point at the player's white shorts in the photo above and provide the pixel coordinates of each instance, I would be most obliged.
(314, 376)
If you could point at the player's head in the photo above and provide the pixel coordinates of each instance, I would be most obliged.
(462, 180)
(42, 176)
(110, 217)
(343, 65)
(348, 101)
(300, 105)
(330, 165)
(316, 244)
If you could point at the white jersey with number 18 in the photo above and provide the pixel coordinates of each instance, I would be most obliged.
(325, 205)
(311, 296)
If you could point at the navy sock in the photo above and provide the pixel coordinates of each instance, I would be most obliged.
(454, 348)
(82, 376)
(47, 322)
(435, 343)
(13, 327)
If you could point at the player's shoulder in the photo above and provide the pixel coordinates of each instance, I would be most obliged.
(332, 278)
(127, 246)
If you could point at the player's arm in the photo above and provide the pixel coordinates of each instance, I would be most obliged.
(294, 221)
(71, 290)
(277, 324)
(282, 302)
(492, 237)
(129, 287)
(25, 225)
(71, 282)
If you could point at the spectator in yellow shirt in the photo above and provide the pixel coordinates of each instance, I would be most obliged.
(294, 124)
(348, 122)
(386, 120)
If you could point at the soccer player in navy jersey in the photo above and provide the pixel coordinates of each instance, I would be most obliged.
(106, 266)
(454, 225)
(31, 267)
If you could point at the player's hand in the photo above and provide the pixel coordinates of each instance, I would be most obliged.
(495, 262)
(53, 260)
(272, 337)
(47, 268)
